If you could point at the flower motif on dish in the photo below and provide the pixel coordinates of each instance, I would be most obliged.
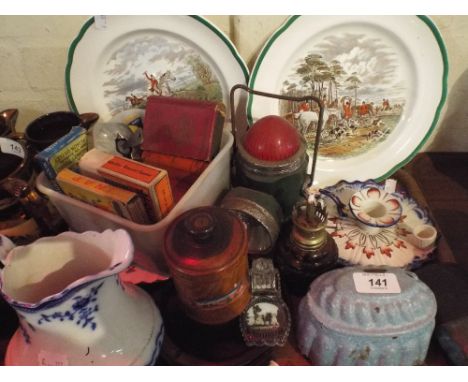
(375, 208)
(390, 245)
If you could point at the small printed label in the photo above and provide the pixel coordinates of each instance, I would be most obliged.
(8, 146)
(100, 22)
(390, 186)
(134, 170)
(371, 282)
(46, 358)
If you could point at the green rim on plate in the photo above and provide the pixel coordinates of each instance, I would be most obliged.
(426, 20)
(87, 25)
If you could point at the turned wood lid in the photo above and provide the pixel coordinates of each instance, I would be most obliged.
(204, 240)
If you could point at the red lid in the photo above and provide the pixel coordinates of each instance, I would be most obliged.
(272, 138)
(204, 239)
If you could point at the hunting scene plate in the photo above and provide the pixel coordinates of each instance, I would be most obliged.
(382, 80)
(114, 67)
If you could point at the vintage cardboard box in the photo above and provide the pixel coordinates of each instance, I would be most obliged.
(105, 196)
(150, 182)
(183, 172)
(64, 153)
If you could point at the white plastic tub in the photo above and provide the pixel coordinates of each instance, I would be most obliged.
(147, 238)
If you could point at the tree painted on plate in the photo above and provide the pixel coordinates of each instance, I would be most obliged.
(354, 83)
(361, 84)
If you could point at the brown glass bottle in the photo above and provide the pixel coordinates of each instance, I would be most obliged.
(306, 249)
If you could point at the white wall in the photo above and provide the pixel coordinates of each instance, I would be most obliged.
(33, 55)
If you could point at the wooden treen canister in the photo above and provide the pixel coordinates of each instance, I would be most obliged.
(206, 251)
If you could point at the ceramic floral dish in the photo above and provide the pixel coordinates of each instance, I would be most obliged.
(382, 80)
(116, 66)
(375, 208)
(390, 246)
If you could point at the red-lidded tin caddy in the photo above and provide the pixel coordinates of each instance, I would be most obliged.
(206, 251)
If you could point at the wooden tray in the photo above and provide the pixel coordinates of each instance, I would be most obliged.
(189, 343)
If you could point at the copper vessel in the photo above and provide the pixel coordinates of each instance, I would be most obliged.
(8, 119)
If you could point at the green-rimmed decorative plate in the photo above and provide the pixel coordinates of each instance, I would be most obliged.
(115, 66)
(383, 81)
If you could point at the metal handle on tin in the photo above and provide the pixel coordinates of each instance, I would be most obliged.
(286, 98)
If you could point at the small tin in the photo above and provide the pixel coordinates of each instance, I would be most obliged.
(366, 316)
(260, 212)
(206, 251)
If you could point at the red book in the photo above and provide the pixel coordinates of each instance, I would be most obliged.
(182, 127)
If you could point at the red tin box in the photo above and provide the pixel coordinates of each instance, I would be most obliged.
(183, 128)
